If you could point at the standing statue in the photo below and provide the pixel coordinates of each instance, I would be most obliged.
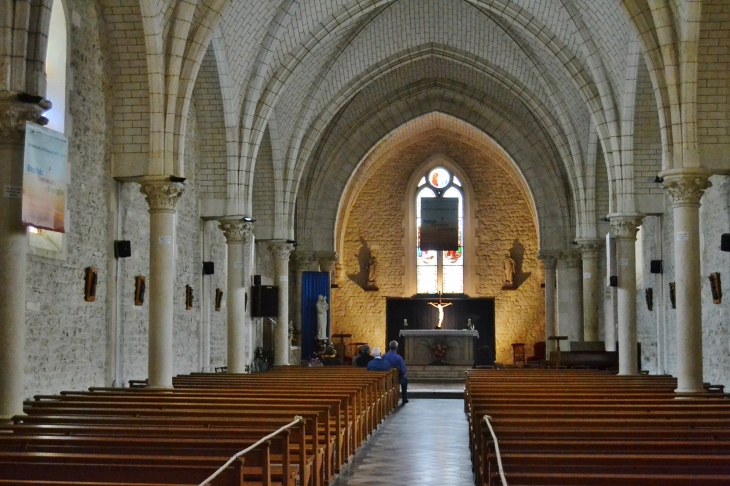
(322, 308)
(509, 269)
(372, 267)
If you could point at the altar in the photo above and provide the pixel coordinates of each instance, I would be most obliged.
(419, 345)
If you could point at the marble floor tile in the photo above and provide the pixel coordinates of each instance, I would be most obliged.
(424, 443)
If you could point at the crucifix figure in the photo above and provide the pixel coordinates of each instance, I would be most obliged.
(440, 307)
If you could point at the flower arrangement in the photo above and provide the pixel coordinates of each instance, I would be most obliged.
(439, 349)
(294, 333)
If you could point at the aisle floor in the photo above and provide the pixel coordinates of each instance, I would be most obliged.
(424, 443)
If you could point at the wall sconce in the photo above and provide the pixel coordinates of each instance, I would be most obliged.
(188, 297)
(218, 299)
(649, 296)
(715, 287)
(92, 274)
(140, 286)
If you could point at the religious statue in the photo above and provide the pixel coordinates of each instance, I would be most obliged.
(372, 267)
(440, 306)
(509, 269)
(322, 308)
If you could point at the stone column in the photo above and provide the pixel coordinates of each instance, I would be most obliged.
(549, 262)
(237, 233)
(327, 261)
(13, 242)
(570, 296)
(281, 251)
(624, 228)
(162, 196)
(589, 254)
(686, 188)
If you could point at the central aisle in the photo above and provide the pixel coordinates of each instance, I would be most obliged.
(424, 443)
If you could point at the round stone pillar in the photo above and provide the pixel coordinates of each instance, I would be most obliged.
(589, 255)
(13, 242)
(549, 262)
(624, 228)
(237, 233)
(570, 296)
(686, 188)
(281, 251)
(162, 196)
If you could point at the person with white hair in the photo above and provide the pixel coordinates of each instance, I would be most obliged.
(378, 363)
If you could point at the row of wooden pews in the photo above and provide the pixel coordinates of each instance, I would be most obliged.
(140, 436)
(569, 427)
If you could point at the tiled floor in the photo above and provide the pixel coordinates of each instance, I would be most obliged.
(424, 443)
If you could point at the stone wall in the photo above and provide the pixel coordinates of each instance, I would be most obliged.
(503, 215)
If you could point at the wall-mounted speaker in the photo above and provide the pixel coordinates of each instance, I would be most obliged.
(208, 268)
(257, 280)
(264, 301)
(656, 266)
(725, 242)
(613, 281)
(122, 249)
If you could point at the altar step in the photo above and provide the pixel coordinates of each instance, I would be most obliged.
(446, 374)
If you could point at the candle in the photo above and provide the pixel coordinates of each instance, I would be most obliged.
(405, 322)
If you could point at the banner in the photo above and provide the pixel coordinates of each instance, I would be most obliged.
(439, 223)
(45, 178)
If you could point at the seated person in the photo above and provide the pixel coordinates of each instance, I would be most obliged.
(396, 361)
(362, 360)
(330, 358)
(378, 363)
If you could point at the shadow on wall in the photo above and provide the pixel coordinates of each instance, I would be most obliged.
(517, 253)
(363, 259)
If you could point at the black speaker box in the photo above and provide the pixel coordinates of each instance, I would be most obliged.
(613, 281)
(725, 242)
(257, 280)
(656, 266)
(122, 249)
(264, 301)
(208, 268)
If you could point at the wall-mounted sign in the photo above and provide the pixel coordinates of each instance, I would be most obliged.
(439, 223)
(45, 178)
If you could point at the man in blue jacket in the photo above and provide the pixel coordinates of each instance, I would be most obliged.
(396, 361)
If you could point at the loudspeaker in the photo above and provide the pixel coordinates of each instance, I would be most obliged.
(725, 242)
(264, 301)
(257, 280)
(656, 266)
(613, 281)
(208, 268)
(122, 249)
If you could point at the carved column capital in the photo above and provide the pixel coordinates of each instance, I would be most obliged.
(589, 247)
(571, 258)
(303, 260)
(625, 226)
(162, 195)
(549, 259)
(281, 250)
(14, 114)
(236, 230)
(686, 186)
(326, 259)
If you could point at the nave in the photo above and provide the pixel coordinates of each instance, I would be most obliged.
(425, 443)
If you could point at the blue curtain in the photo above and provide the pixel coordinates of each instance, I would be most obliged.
(314, 284)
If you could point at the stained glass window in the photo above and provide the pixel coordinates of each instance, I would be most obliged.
(439, 271)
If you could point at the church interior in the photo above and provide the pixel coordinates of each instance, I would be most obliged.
(226, 163)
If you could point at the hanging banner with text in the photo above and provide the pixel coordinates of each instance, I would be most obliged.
(439, 223)
(45, 178)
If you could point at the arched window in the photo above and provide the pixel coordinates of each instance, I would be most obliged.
(439, 271)
(51, 244)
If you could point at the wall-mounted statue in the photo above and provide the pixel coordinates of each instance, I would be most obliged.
(372, 268)
(509, 270)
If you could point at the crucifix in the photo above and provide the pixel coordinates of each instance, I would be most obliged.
(440, 307)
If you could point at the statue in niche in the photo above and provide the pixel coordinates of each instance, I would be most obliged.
(509, 270)
(322, 308)
(372, 268)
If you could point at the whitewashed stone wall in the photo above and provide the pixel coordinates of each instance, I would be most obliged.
(66, 336)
